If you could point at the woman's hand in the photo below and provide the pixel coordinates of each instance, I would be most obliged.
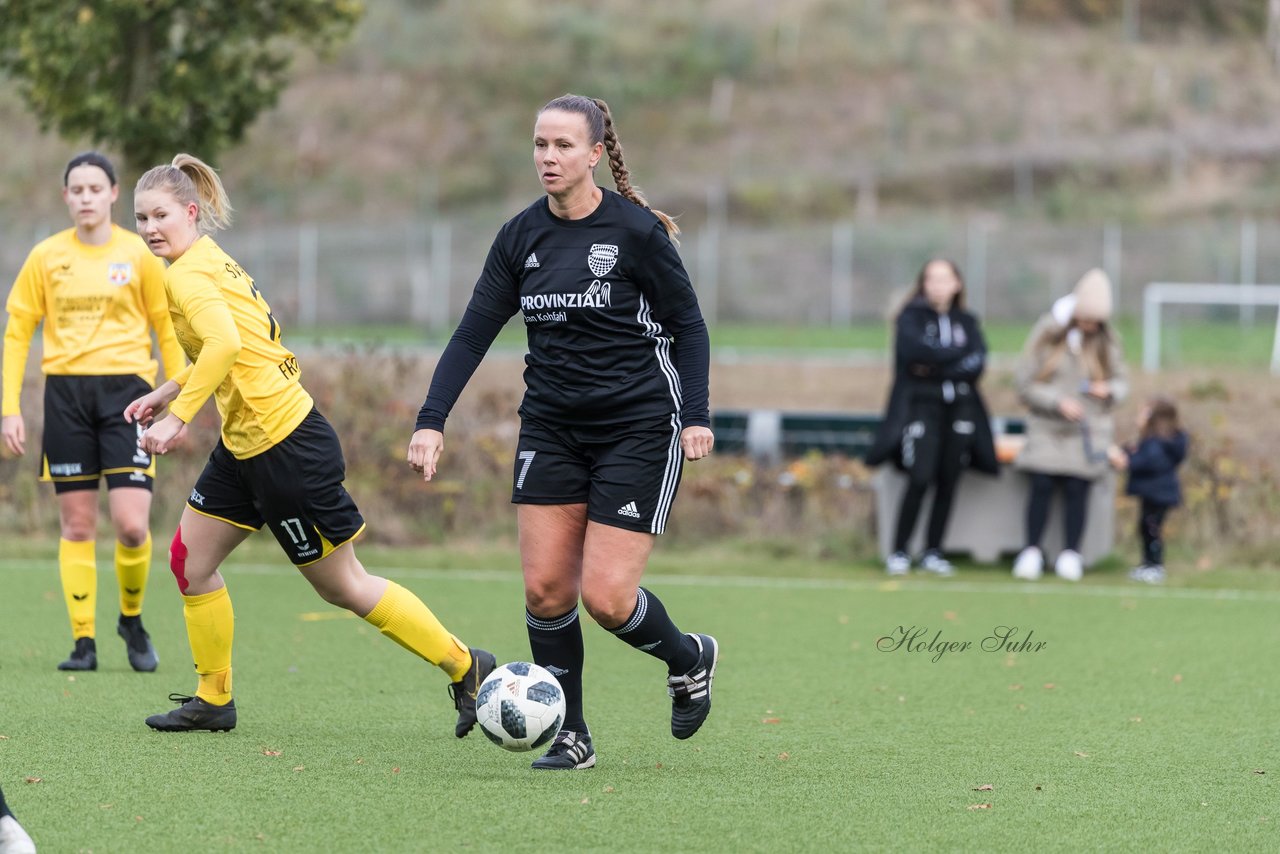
(163, 435)
(1071, 409)
(424, 451)
(1101, 389)
(696, 442)
(146, 408)
(14, 432)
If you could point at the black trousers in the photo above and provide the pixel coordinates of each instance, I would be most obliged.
(1150, 529)
(1075, 494)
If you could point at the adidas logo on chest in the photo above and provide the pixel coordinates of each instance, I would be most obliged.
(532, 261)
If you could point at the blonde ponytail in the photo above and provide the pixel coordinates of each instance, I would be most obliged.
(190, 180)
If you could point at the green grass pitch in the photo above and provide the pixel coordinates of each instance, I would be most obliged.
(1146, 721)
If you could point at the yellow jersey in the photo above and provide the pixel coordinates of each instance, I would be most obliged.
(97, 304)
(233, 341)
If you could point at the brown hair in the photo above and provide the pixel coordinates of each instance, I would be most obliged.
(1162, 420)
(958, 300)
(1095, 350)
(601, 130)
(190, 179)
(90, 158)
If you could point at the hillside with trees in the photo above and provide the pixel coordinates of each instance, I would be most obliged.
(1067, 110)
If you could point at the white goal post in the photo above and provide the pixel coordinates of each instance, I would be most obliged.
(1157, 294)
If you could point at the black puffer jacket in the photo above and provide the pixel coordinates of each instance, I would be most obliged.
(1153, 469)
(937, 357)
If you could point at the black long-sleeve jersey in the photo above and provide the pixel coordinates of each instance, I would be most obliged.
(614, 329)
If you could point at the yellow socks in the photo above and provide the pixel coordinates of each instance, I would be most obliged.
(405, 619)
(133, 563)
(210, 629)
(77, 565)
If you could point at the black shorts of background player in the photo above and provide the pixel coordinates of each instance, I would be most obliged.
(615, 402)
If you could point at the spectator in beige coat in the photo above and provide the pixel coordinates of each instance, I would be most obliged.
(1070, 375)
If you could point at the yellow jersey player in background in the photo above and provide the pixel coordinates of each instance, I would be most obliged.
(100, 293)
(278, 462)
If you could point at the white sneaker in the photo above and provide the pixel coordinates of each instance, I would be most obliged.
(1148, 574)
(1069, 566)
(1029, 565)
(899, 563)
(933, 561)
(13, 839)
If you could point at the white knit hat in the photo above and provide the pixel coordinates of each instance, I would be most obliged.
(1093, 296)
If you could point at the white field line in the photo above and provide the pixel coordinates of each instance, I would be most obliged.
(1047, 588)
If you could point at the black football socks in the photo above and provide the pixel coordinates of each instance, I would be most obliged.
(556, 644)
(650, 630)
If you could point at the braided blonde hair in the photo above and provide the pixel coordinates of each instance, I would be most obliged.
(600, 128)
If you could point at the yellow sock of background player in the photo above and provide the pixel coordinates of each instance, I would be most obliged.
(408, 621)
(133, 564)
(78, 567)
(211, 627)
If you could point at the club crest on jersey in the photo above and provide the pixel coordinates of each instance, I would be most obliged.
(120, 274)
(602, 257)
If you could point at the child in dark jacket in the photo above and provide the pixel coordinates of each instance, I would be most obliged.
(1152, 463)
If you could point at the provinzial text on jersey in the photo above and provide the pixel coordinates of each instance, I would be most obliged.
(537, 302)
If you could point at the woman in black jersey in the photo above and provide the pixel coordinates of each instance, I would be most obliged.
(615, 400)
(936, 423)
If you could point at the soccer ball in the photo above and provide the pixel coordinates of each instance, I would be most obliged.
(520, 706)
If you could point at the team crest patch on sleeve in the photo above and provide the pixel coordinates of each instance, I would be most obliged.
(602, 258)
(120, 274)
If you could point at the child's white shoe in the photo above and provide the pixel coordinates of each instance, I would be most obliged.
(1148, 574)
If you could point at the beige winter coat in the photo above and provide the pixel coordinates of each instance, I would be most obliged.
(1054, 444)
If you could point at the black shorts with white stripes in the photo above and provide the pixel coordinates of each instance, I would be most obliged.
(626, 475)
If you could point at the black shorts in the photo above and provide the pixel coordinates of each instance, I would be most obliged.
(295, 487)
(626, 475)
(86, 437)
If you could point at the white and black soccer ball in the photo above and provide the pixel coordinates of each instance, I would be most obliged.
(520, 706)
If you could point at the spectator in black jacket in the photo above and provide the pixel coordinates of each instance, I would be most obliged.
(936, 424)
(1153, 463)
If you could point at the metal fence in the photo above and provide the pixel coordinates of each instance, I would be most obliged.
(821, 273)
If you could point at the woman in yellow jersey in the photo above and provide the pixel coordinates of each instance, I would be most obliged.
(278, 463)
(100, 293)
